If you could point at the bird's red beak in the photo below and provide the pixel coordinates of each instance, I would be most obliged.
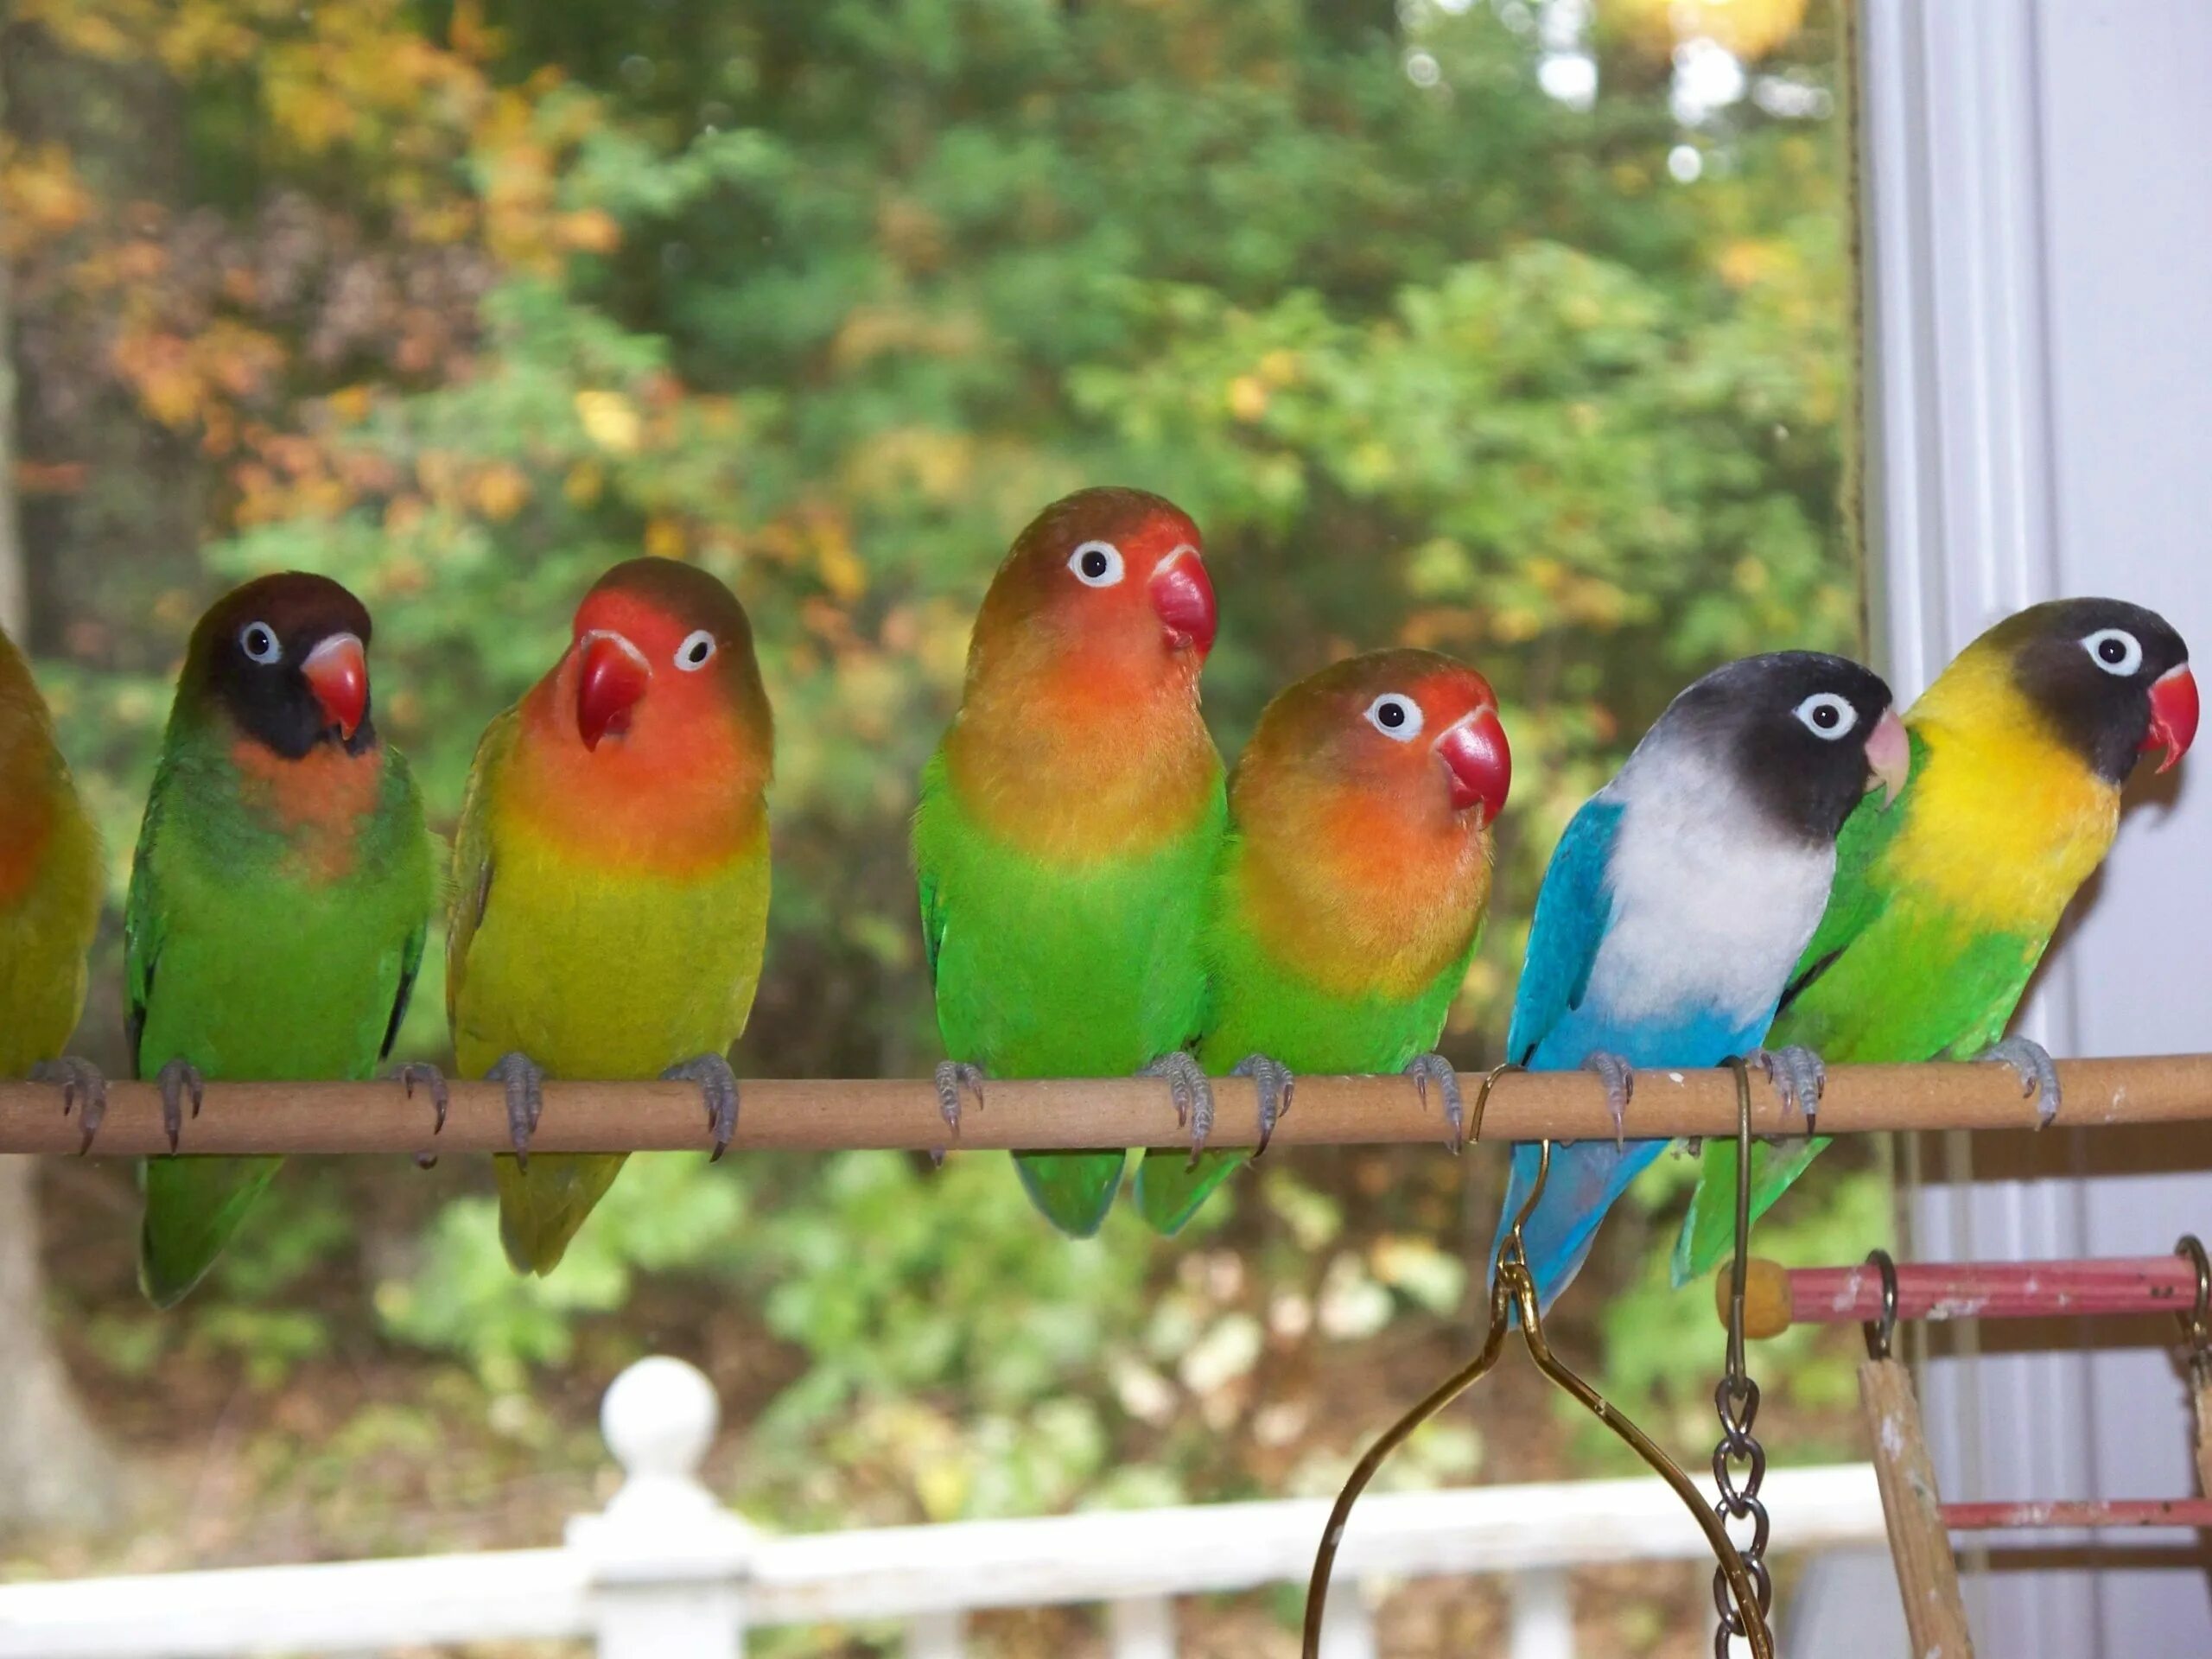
(1183, 595)
(1476, 755)
(337, 671)
(1889, 756)
(2173, 715)
(615, 677)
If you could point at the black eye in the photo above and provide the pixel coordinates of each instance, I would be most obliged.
(1096, 564)
(1827, 715)
(258, 641)
(2115, 651)
(696, 652)
(1395, 715)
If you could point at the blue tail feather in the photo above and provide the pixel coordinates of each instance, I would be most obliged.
(1587, 1177)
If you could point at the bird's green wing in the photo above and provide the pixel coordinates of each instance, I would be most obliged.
(470, 889)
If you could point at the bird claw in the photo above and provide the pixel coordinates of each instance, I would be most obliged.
(1798, 1075)
(176, 1080)
(1193, 1096)
(80, 1084)
(953, 1078)
(1426, 1069)
(719, 1084)
(2039, 1076)
(1273, 1081)
(431, 1077)
(1620, 1089)
(525, 1086)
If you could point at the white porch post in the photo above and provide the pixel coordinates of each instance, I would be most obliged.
(2039, 181)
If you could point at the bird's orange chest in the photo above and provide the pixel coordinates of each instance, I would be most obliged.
(26, 827)
(317, 804)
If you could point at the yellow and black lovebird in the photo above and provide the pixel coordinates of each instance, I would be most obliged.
(1944, 902)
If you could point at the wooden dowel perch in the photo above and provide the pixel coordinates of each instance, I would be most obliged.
(380, 1117)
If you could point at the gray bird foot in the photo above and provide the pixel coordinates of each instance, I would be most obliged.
(176, 1080)
(1427, 1068)
(2038, 1077)
(955, 1077)
(1620, 1089)
(525, 1086)
(718, 1084)
(82, 1084)
(1193, 1095)
(1272, 1078)
(1798, 1075)
(421, 1071)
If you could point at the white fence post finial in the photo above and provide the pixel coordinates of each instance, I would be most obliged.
(668, 1565)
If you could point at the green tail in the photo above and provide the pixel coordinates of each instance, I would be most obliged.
(1074, 1189)
(1708, 1234)
(541, 1210)
(1170, 1188)
(194, 1205)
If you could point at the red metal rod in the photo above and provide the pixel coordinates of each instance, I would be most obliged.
(1995, 1290)
(2128, 1512)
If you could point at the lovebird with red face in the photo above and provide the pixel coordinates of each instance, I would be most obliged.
(1070, 822)
(610, 894)
(281, 894)
(50, 885)
(1351, 893)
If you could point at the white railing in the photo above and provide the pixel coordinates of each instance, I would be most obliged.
(666, 1573)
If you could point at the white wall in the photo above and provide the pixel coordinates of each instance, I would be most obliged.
(2039, 182)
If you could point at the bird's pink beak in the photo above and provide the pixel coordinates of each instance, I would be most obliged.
(337, 671)
(615, 678)
(1889, 756)
(1183, 595)
(2173, 715)
(1480, 763)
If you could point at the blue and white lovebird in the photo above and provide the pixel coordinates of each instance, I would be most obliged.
(1676, 903)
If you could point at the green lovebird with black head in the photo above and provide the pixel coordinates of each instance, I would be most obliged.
(281, 894)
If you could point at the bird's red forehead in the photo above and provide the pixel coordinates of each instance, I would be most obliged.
(638, 618)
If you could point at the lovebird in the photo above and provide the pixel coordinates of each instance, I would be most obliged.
(1676, 903)
(1069, 825)
(1943, 904)
(280, 893)
(50, 888)
(1351, 893)
(609, 905)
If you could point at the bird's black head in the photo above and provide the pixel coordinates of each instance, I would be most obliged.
(2111, 679)
(286, 657)
(1804, 734)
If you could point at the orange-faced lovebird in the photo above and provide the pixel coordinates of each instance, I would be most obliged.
(1351, 893)
(1069, 821)
(1943, 906)
(50, 886)
(1678, 902)
(281, 894)
(610, 896)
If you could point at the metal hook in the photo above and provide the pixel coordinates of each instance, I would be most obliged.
(1481, 1100)
(1879, 1333)
(1739, 1271)
(1513, 1290)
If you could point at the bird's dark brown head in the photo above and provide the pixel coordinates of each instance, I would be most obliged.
(286, 657)
(2111, 679)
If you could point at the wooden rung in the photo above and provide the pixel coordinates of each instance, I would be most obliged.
(2085, 1512)
(1928, 1572)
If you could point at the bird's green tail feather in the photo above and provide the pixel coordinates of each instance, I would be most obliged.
(194, 1205)
(1074, 1189)
(542, 1208)
(1170, 1188)
(1708, 1234)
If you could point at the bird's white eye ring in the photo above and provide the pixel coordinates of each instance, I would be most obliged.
(1096, 564)
(1827, 715)
(2115, 651)
(1396, 715)
(697, 651)
(259, 643)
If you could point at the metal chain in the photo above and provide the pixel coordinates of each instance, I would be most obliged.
(1737, 1401)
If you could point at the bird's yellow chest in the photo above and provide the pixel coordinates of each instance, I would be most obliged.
(2005, 825)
